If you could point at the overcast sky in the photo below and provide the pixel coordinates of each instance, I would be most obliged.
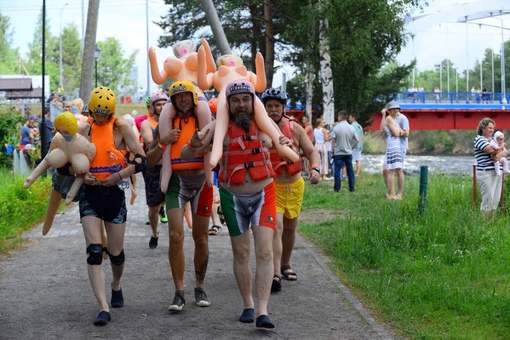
(126, 21)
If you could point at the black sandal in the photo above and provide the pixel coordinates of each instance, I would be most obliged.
(215, 229)
(285, 275)
(276, 285)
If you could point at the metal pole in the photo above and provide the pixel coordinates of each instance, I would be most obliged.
(422, 202)
(147, 45)
(95, 66)
(492, 89)
(503, 87)
(467, 61)
(474, 185)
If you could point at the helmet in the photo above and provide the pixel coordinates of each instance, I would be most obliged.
(181, 87)
(213, 104)
(156, 97)
(275, 94)
(66, 123)
(239, 86)
(102, 101)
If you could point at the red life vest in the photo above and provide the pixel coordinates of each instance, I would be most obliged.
(277, 161)
(245, 152)
(108, 158)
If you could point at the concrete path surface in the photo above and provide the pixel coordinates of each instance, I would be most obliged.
(45, 292)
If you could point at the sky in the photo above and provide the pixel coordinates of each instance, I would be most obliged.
(123, 19)
(464, 45)
(126, 21)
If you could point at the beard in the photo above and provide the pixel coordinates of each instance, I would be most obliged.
(242, 119)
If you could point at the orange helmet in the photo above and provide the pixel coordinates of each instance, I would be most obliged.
(213, 104)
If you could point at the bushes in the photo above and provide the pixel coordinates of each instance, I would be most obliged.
(9, 126)
(20, 208)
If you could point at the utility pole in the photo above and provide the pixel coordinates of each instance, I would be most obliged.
(88, 51)
(216, 27)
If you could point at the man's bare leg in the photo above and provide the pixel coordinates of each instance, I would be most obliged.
(277, 252)
(288, 240)
(242, 270)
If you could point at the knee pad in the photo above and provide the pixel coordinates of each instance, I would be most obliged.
(119, 259)
(95, 252)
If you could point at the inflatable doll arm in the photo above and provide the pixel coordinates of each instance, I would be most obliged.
(204, 78)
(211, 65)
(260, 83)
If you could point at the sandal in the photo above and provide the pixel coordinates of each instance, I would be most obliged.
(220, 215)
(287, 275)
(276, 285)
(214, 230)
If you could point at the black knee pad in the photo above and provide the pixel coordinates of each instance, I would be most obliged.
(119, 259)
(95, 252)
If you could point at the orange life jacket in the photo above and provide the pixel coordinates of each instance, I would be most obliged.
(245, 152)
(153, 127)
(276, 161)
(108, 158)
(187, 127)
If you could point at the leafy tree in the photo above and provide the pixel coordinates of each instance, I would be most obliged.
(113, 69)
(71, 59)
(8, 55)
(34, 64)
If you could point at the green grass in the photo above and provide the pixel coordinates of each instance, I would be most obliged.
(441, 274)
(20, 208)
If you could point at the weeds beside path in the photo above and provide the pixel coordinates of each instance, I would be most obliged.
(442, 274)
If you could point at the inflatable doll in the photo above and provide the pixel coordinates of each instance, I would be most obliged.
(68, 146)
(181, 67)
(230, 67)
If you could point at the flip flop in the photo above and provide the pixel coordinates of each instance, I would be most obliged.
(214, 230)
(286, 275)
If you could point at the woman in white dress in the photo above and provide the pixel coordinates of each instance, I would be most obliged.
(393, 157)
(321, 137)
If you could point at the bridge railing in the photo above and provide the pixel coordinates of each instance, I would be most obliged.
(450, 97)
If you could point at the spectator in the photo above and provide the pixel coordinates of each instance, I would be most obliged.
(321, 135)
(49, 132)
(344, 139)
(356, 152)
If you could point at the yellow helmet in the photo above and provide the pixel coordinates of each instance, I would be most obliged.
(102, 101)
(66, 123)
(183, 86)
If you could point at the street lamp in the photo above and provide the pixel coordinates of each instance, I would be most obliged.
(97, 51)
(60, 50)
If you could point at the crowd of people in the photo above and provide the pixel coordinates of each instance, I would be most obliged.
(256, 189)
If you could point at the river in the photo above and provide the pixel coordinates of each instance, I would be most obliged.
(459, 165)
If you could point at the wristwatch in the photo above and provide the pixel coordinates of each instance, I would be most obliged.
(316, 168)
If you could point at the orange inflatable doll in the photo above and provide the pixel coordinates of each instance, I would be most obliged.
(67, 146)
(230, 67)
(181, 67)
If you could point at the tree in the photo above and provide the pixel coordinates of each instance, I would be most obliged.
(113, 69)
(71, 60)
(8, 55)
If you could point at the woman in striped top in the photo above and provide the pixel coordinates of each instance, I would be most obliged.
(490, 183)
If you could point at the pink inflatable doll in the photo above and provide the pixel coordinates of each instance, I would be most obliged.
(181, 67)
(230, 67)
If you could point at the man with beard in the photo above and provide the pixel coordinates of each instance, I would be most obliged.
(289, 185)
(187, 184)
(247, 195)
